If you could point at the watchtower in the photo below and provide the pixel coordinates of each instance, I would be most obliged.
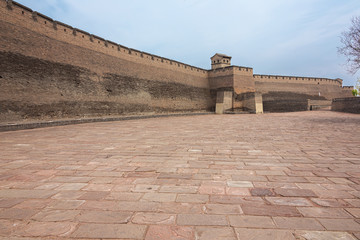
(220, 60)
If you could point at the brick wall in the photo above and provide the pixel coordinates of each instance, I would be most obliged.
(49, 69)
(286, 94)
(350, 105)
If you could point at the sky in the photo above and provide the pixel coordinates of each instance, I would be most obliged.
(276, 37)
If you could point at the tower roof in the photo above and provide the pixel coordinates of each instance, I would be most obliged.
(221, 55)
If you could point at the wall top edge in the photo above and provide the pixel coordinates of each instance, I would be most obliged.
(320, 78)
(97, 37)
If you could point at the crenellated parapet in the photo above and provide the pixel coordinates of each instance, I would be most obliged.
(296, 79)
(22, 15)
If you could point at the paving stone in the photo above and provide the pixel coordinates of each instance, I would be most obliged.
(159, 197)
(295, 192)
(98, 187)
(174, 207)
(124, 196)
(333, 194)
(9, 227)
(192, 198)
(157, 232)
(25, 193)
(16, 213)
(137, 206)
(222, 209)
(237, 191)
(68, 179)
(240, 184)
(310, 186)
(354, 211)
(56, 215)
(324, 212)
(263, 234)
(353, 202)
(289, 201)
(270, 173)
(201, 220)
(96, 195)
(215, 233)
(154, 218)
(236, 199)
(71, 186)
(261, 192)
(211, 189)
(103, 216)
(178, 189)
(115, 231)
(251, 222)
(340, 224)
(270, 210)
(299, 223)
(335, 203)
(6, 203)
(357, 235)
(249, 178)
(67, 195)
(65, 204)
(43, 229)
(174, 176)
(322, 235)
(48, 186)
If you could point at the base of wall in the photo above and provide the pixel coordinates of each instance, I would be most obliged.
(42, 124)
(350, 105)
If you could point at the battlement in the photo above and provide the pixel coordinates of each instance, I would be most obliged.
(26, 17)
(348, 87)
(297, 79)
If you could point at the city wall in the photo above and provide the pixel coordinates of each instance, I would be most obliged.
(49, 69)
(289, 93)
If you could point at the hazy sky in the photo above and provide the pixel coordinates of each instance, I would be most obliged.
(284, 37)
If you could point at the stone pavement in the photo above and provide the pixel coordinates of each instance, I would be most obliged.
(271, 176)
